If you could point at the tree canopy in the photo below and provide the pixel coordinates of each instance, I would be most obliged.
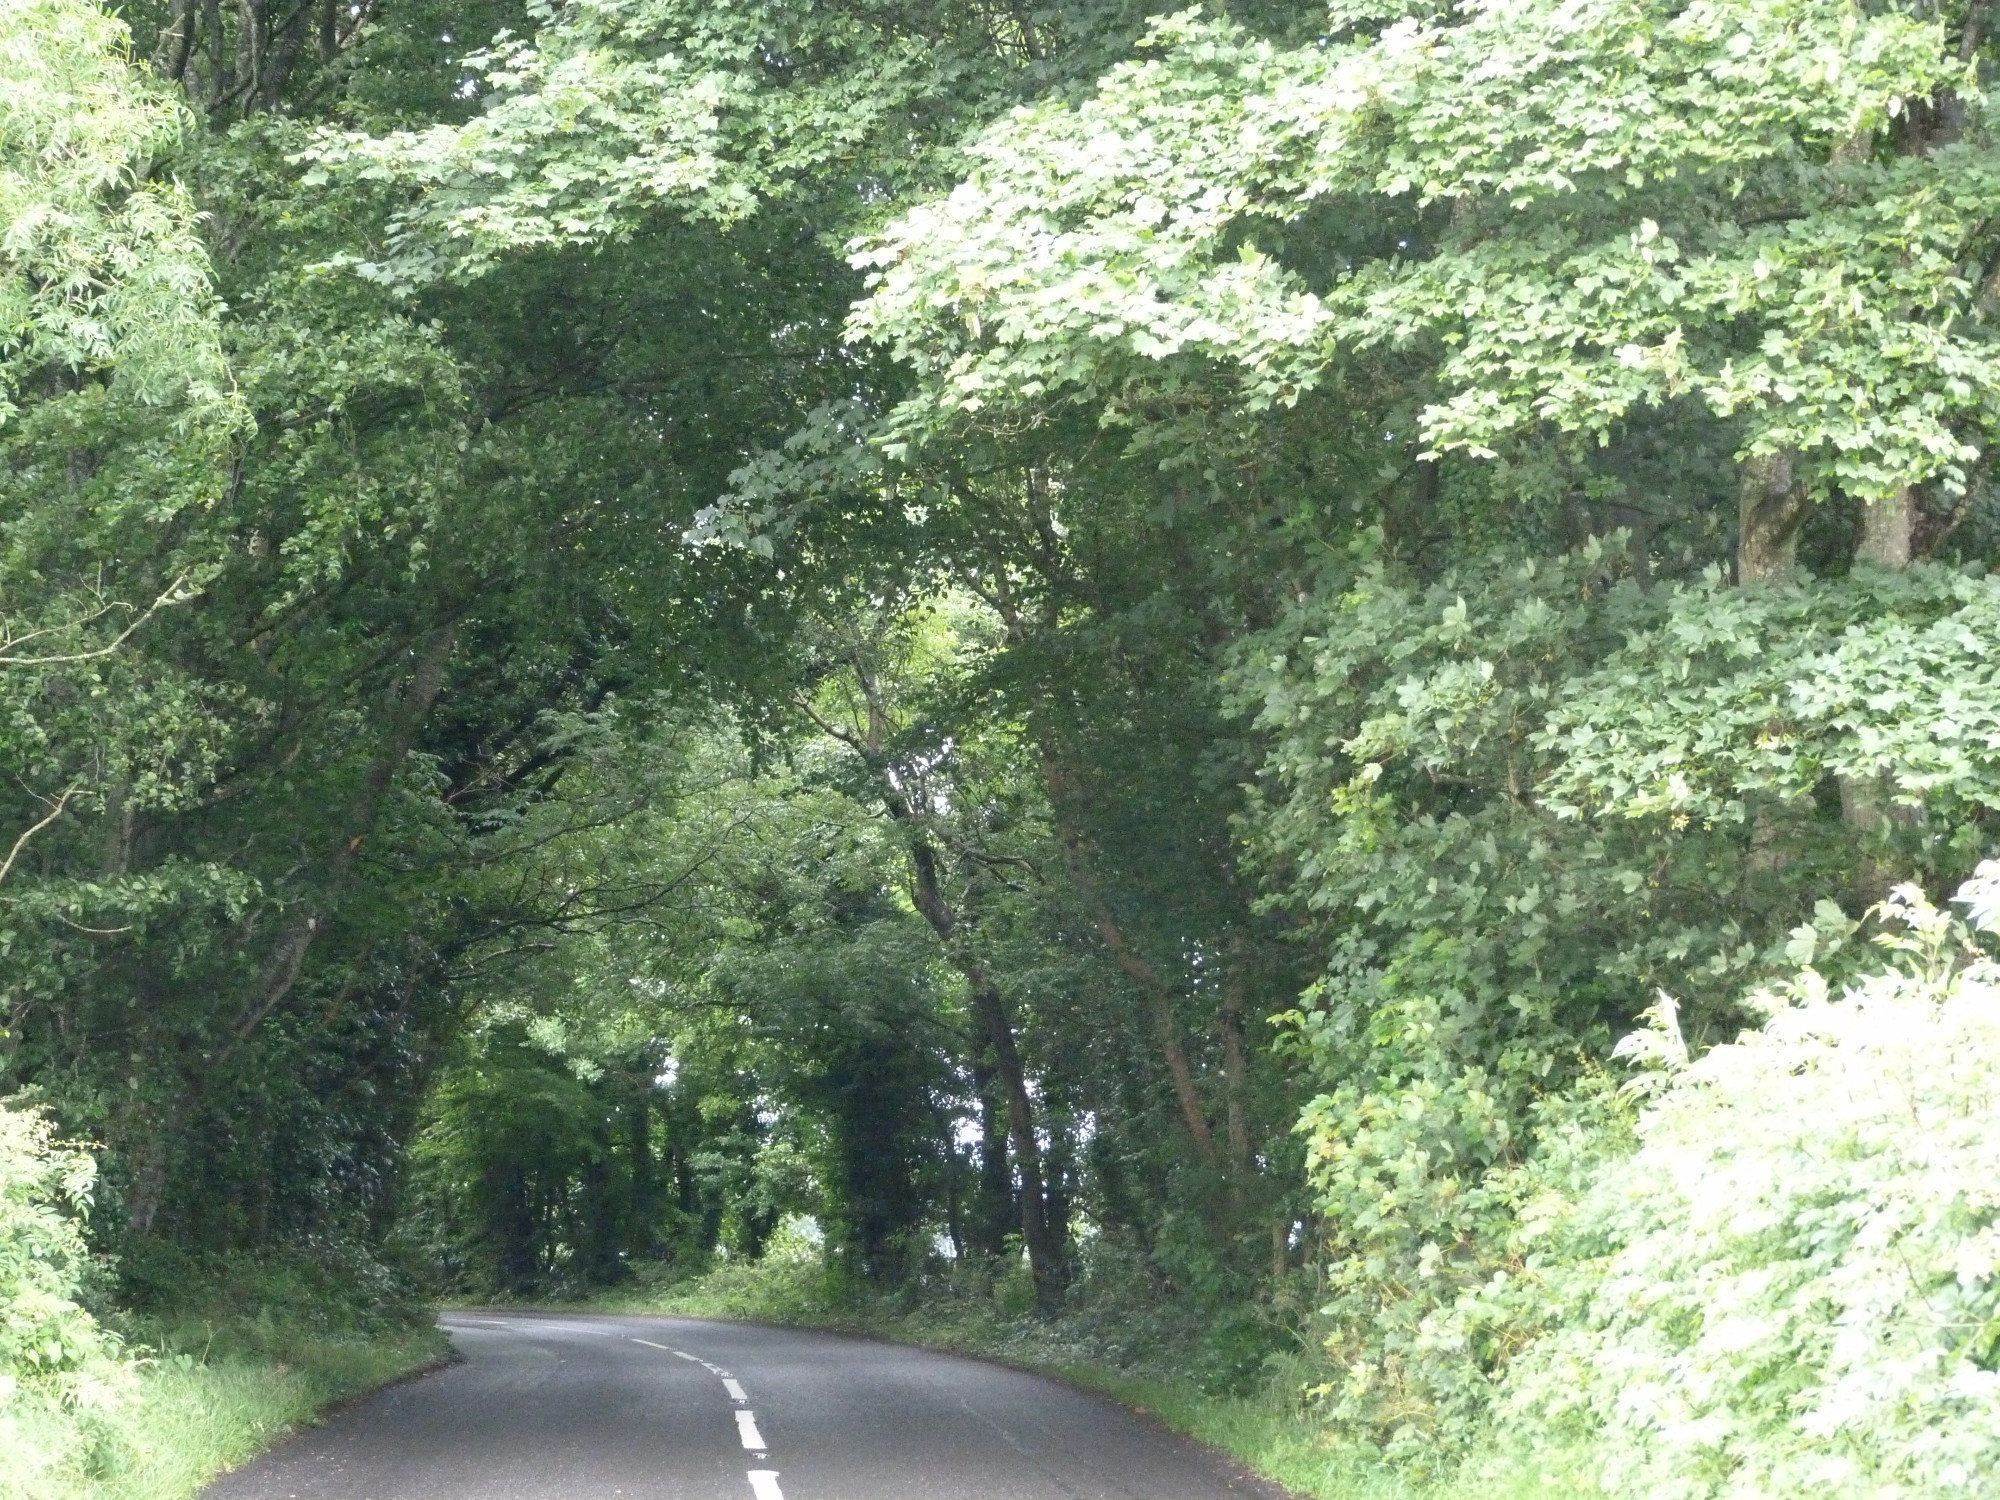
(1111, 639)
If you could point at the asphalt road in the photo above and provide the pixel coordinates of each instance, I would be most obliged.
(557, 1407)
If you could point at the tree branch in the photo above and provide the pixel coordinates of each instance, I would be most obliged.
(22, 842)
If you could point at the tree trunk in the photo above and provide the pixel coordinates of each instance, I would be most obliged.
(514, 1225)
(409, 711)
(993, 1206)
(1888, 530)
(1167, 1029)
(1060, 1169)
(989, 1012)
(119, 825)
(1770, 507)
(170, 56)
(641, 1229)
(1235, 1064)
(997, 1032)
(1044, 1255)
(149, 1178)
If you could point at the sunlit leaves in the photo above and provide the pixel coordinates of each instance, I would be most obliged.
(51, 1349)
(101, 264)
(1792, 1287)
(1732, 694)
(1599, 207)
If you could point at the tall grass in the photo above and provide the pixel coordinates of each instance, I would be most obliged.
(182, 1420)
(226, 1354)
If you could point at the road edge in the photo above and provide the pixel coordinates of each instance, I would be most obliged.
(441, 1358)
(1100, 1382)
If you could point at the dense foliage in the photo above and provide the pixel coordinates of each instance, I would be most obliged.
(1790, 1287)
(52, 1348)
(1087, 656)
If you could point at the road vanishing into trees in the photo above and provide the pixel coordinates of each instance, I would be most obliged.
(560, 1407)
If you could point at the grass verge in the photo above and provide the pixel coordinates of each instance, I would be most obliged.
(228, 1354)
(182, 1419)
(1267, 1428)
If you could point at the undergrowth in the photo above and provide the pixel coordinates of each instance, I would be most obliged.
(206, 1361)
(184, 1418)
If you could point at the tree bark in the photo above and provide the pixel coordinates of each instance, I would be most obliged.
(170, 57)
(1044, 1255)
(1888, 530)
(411, 709)
(149, 1178)
(1059, 1170)
(990, 1016)
(1045, 1259)
(993, 1206)
(1770, 507)
(642, 1225)
(1166, 1027)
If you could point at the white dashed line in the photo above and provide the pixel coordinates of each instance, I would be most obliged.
(763, 1482)
(677, 1354)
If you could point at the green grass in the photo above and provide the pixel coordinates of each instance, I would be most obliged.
(230, 1353)
(1267, 1428)
(182, 1420)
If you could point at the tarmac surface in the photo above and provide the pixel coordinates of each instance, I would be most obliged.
(579, 1407)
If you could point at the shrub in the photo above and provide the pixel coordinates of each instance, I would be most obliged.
(47, 1340)
(1792, 1287)
(60, 1373)
(250, 1302)
(1442, 1268)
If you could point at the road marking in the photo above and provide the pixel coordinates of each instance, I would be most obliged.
(764, 1484)
(763, 1481)
(677, 1354)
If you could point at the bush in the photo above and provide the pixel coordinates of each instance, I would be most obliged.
(1792, 1288)
(61, 1374)
(251, 1302)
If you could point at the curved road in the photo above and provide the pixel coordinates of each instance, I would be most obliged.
(558, 1407)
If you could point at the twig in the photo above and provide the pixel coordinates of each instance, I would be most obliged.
(171, 596)
(22, 842)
